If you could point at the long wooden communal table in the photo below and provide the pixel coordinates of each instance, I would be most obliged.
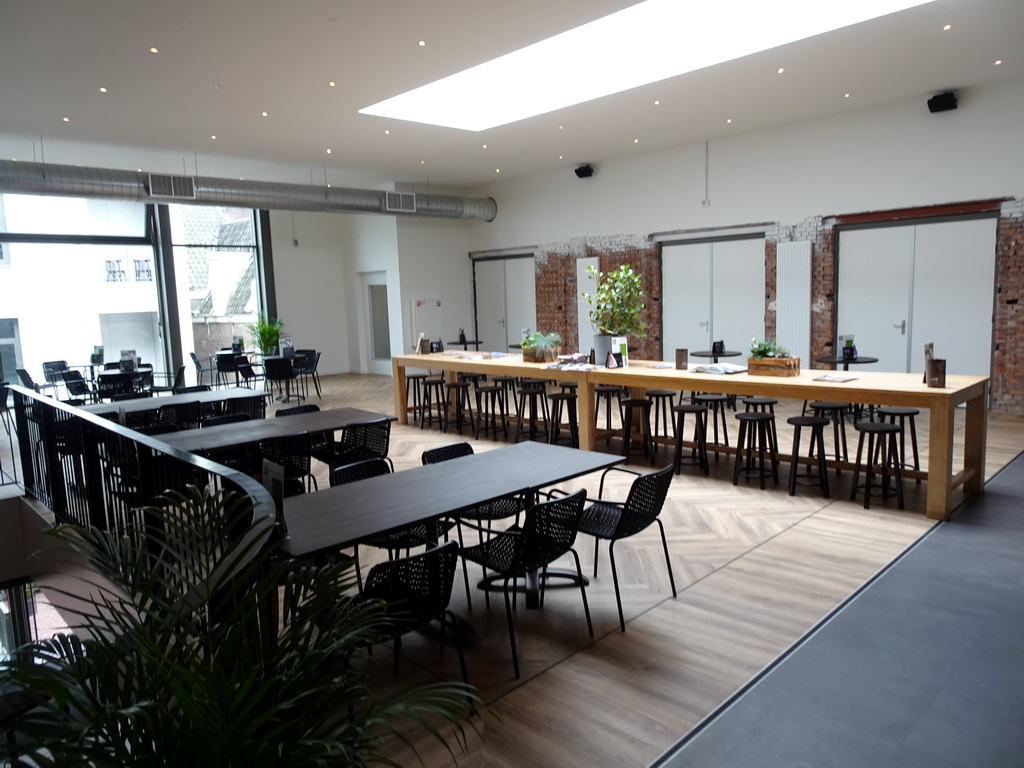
(869, 387)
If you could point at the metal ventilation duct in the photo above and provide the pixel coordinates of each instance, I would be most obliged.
(73, 181)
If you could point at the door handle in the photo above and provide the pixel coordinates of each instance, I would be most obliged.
(902, 326)
(703, 323)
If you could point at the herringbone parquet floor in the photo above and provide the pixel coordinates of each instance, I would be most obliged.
(754, 571)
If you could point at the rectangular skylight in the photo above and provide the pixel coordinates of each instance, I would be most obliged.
(638, 45)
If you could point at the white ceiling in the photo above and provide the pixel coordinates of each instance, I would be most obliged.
(221, 63)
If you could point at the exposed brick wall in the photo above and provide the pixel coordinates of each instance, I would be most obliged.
(1008, 336)
(771, 292)
(557, 291)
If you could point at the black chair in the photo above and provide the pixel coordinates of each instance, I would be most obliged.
(203, 368)
(26, 380)
(78, 387)
(293, 453)
(174, 387)
(108, 385)
(415, 591)
(224, 418)
(618, 520)
(181, 415)
(415, 535)
(295, 410)
(548, 532)
(365, 440)
(5, 416)
(226, 368)
(279, 370)
(499, 509)
(245, 373)
(53, 371)
(193, 388)
(307, 371)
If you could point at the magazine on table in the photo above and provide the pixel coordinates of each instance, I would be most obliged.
(719, 368)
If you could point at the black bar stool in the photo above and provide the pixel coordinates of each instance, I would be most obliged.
(629, 407)
(433, 399)
(764, 405)
(491, 412)
(414, 388)
(836, 413)
(534, 392)
(699, 454)
(662, 402)
(817, 426)
(755, 432)
(888, 448)
(605, 393)
(557, 403)
(716, 405)
(460, 407)
(892, 413)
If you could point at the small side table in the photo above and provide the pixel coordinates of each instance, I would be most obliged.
(846, 362)
(715, 355)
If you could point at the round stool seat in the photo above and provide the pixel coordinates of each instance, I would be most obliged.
(904, 415)
(896, 410)
(808, 421)
(877, 427)
(756, 400)
(755, 434)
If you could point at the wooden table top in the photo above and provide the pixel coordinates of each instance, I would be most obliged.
(244, 432)
(337, 516)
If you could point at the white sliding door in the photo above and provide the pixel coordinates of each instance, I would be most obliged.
(712, 291)
(903, 287)
(506, 301)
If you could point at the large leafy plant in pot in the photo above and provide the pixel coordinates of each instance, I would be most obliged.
(197, 648)
(266, 333)
(616, 306)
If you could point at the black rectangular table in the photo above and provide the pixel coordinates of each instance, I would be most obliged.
(248, 432)
(143, 404)
(345, 514)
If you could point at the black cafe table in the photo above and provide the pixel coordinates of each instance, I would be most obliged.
(334, 517)
(465, 344)
(715, 355)
(846, 362)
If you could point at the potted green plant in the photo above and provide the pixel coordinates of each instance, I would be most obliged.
(198, 646)
(767, 358)
(541, 347)
(266, 333)
(616, 306)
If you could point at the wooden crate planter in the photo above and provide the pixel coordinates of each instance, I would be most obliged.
(535, 355)
(773, 366)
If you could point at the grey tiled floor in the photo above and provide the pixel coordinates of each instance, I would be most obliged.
(925, 667)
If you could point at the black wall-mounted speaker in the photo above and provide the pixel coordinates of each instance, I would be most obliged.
(585, 171)
(941, 102)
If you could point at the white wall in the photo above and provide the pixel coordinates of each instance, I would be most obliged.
(311, 280)
(890, 157)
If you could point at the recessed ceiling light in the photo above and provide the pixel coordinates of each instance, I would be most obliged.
(423, 43)
(67, 119)
(387, 132)
(998, 62)
(485, 146)
(657, 102)
(636, 141)
(214, 136)
(102, 89)
(561, 157)
(153, 50)
(264, 114)
(332, 83)
(728, 120)
(561, 127)
(328, 150)
(497, 170)
(657, 38)
(846, 95)
(781, 70)
(947, 28)
(423, 162)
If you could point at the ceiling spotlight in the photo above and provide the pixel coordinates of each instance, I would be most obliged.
(332, 83)
(947, 28)
(102, 89)
(214, 136)
(998, 62)
(264, 114)
(781, 70)
(153, 50)
(423, 43)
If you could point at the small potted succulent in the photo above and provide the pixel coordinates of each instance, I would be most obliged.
(541, 347)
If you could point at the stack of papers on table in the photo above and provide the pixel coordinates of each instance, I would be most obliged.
(719, 368)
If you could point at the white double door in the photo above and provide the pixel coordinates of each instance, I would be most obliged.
(712, 291)
(506, 301)
(902, 287)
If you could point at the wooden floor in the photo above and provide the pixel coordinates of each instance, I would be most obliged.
(754, 571)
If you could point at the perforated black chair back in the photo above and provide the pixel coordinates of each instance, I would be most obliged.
(26, 379)
(77, 386)
(446, 453)
(224, 418)
(644, 502)
(181, 415)
(549, 531)
(293, 453)
(53, 369)
(366, 440)
(417, 590)
(359, 470)
(295, 410)
(111, 384)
